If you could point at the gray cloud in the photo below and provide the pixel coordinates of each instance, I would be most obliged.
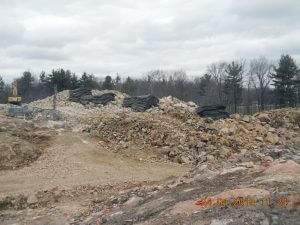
(131, 37)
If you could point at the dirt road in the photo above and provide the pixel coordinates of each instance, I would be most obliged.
(76, 159)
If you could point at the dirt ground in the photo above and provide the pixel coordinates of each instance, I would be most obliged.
(82, 170)
(76, 159)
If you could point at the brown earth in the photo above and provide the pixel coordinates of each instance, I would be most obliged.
(21, 142)
(76, 159)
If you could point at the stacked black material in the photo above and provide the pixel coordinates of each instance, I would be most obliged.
(77, 94)
(84, 96)
(140, 103)
(103, 99)
(213, 111)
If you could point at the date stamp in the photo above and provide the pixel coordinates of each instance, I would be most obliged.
(249, 201)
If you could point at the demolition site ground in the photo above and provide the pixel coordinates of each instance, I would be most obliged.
(153, 162)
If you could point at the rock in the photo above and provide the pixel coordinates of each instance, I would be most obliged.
(224, 152)
(224, 130)
(268, 159)
(32, 199)
(88, 220)
(260, 139)
(133, 201)
(210, 158)
(263, 117)
(184, 159)
(187, 207)
(272, 130)
(221, 222)
(236, 117)
(290, 167)
(246, 119)
(243, 130)
(260, 128)
(232, 170)
(243, 151)
(271, 138)
(191, 104)
(3, 129)
(249, 164)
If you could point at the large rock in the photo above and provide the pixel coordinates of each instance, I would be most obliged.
(263, 117)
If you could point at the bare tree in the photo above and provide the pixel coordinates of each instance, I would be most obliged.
(217, 72)
(259, 71)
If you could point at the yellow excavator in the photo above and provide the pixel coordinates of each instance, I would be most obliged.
(15, 99)
(16, 108)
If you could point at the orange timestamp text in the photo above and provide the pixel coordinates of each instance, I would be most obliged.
(242, 201)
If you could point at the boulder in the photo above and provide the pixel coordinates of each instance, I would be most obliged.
(263, 117)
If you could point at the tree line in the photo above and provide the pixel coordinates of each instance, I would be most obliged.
(257, 82)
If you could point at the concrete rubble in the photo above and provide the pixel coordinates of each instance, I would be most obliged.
(188, 138)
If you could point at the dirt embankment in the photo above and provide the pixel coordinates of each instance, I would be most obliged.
(21, 142)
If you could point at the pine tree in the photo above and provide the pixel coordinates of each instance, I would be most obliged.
(284, 81)
(1, 84)
(108, 83)
(88, 81)
(234, 83)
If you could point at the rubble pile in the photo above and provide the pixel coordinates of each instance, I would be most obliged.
(196, 139)
(140, 103)
(174, 107)
(70, 110)
(47, 103)
(213, 111)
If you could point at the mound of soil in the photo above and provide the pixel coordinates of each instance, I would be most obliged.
(15, 152)
(21, 142)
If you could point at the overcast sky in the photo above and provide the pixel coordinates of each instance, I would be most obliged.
(133, 36)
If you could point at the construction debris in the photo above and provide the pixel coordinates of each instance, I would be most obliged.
(195, 140)
(71, 110)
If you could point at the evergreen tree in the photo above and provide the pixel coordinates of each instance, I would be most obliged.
(2, 95)
(284, 81)
(74, 81)
(129, 86)
(118, 82)
(1, 84)
(234, 83)
(25, 86)
(108, 83)
(88, 81)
